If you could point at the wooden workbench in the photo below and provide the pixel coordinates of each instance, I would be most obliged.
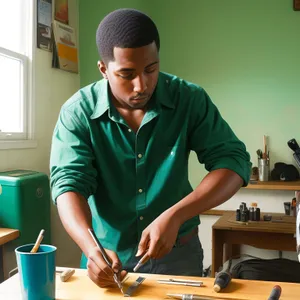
(80, 287)
(228, 235)
(6, 235)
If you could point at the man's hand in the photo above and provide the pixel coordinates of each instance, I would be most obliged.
(98, 270)
(159, 237)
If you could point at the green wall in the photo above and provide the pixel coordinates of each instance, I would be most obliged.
(244, 53)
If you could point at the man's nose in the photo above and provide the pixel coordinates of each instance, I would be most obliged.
(140, 85)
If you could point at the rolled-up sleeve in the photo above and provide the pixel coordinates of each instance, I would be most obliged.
(213, 140)
(71, 159)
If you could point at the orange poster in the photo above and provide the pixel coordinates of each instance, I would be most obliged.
(65, 51)
(61, 11)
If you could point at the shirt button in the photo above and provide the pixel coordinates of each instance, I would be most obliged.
(140, 156)
(141, 218)
(129, 130)
(140, 190)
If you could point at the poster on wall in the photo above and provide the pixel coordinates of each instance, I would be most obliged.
(61, 11)
(44, 20)
(65, 52)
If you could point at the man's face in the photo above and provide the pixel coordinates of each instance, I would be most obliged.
(132, 75)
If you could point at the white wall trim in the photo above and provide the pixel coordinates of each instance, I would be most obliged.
(21, 144)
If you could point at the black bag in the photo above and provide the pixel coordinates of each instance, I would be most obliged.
(281, 269)
(284, 172)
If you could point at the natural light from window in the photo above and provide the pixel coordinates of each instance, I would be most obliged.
(15, 50)
(11, 92)
(11, 21)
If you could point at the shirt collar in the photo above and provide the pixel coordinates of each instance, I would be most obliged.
(161, 95)
(102, 95)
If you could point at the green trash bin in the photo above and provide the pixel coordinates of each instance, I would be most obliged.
(25, 204)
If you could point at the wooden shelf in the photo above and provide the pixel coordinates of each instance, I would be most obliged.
(275, 185)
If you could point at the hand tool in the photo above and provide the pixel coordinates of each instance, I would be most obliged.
(106, 258)
(198, 297)
(38, 242)
(181, 282)
(275, 293)
(222, 280)
(66, 274)
(264, 155)
(297, 194)
(259, 153)
(142, 261)
(295, 147)
(132, 288)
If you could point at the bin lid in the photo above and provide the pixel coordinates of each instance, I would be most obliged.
(14, 177)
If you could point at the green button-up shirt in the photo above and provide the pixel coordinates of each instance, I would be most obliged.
(130, 178)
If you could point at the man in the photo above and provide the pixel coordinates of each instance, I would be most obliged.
(119, 158)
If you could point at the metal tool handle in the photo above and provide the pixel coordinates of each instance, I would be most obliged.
(293, 145)
(296, 156)
(102, 250)
(131, 289)
(195, 284)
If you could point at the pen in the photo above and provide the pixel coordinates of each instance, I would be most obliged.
(106, 258)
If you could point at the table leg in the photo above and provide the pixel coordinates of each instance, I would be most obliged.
(1, 265)
(236, 250)
(230, 250)
(217, 251)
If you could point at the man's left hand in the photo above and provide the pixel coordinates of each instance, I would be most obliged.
(159, 237)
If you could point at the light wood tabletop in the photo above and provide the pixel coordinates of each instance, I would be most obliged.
(7, 235)
(80, 287)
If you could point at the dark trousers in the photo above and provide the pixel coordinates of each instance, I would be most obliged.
(184, 260)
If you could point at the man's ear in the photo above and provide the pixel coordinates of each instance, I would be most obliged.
(102, 68)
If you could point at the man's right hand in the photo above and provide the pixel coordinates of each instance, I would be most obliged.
(76, 217)
(98, 270)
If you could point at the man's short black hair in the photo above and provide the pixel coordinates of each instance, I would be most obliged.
(125, 28)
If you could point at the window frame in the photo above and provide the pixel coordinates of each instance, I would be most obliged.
(25, 139)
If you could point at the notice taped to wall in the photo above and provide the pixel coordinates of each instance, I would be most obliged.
(65, 51)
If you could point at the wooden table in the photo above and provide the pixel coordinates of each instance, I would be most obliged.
(80, 287)
(6, 235)
(228, 235)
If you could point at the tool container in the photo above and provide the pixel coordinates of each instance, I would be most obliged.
(263, 169)
(25, 204)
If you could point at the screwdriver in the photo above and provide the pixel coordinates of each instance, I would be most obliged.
(106, 258)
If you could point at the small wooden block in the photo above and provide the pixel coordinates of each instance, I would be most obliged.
(66, 275)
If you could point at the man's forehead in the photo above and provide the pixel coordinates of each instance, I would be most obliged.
(135, 55)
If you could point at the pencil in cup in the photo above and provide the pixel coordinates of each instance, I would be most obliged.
(38, 242)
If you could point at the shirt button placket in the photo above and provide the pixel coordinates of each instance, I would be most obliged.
(140, 182)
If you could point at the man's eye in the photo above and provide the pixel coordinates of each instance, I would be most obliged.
(126, 76)
(150, 70)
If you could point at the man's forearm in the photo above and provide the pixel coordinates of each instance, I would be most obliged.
(76, 218)
(216, 188)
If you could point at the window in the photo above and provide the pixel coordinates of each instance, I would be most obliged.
(16, 46)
